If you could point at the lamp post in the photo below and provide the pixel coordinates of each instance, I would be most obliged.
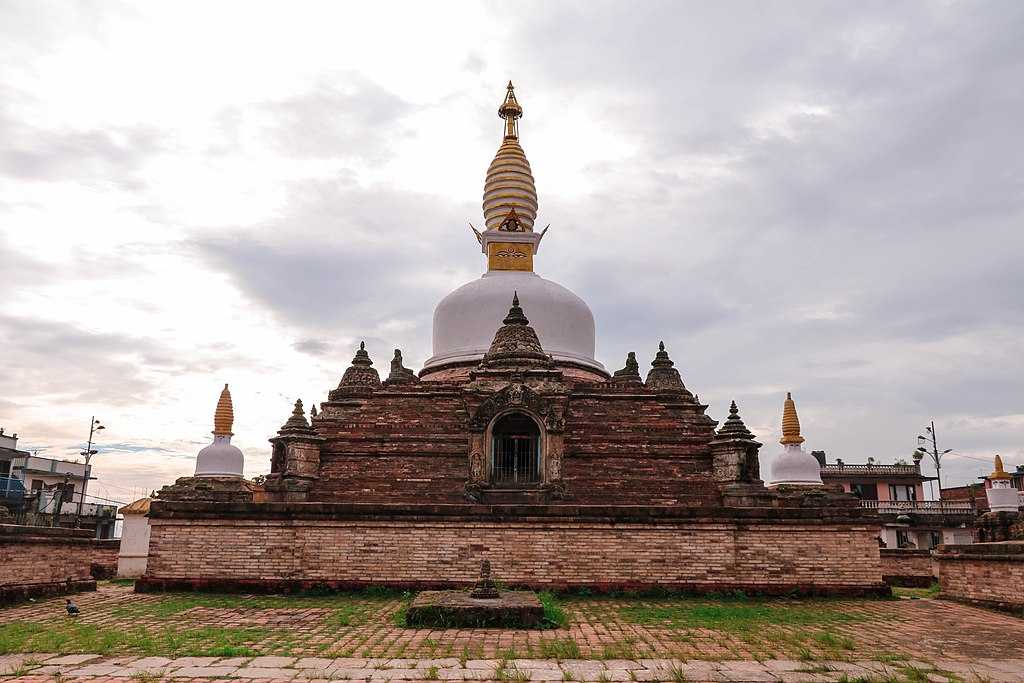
(934, 453)
(94, 426)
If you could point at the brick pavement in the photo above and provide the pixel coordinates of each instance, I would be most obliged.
(46, 668)
(356, 634)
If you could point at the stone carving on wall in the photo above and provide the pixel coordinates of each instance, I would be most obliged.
(518, 396)
(555, 465)
(476, 466)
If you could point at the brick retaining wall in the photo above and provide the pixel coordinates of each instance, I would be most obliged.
(285, 546)
(38, 561)
(103, 561)
(905, 567)
(989, 574)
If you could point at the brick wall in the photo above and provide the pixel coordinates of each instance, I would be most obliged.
(44, 561)
(103, 559)
(411, 444)
(903, 567)
(287, 546)
(990, 574)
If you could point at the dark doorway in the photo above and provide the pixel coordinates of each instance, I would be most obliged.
(515, 451)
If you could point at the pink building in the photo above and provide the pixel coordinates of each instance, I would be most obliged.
(897, 492)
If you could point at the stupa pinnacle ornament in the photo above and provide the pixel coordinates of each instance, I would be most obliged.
(221, 459)
(790, 423)
(515, 343)
(360, 378)
(224, 414)
(663, 376)
(794, 465)
(510, 198)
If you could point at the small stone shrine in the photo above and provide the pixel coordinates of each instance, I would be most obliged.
(513, 441)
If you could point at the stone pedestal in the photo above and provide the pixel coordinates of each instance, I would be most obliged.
(459, 609)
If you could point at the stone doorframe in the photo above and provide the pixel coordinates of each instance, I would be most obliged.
(549, 414)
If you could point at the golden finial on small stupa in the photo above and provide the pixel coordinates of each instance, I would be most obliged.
(999, 472)
(790, 423)
(224, 415)
(511, 111)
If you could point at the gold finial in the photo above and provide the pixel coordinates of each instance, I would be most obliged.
(224, 415)
(511, 111)
(790, 423)
(999, 472)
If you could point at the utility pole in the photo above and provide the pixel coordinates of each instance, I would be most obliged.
(934, 453)
(94, 426)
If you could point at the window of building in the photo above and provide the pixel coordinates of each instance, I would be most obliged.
(936, 539)
(515, 451)
(864, 490)
(37, 484)
(903, 539)
(902, 492)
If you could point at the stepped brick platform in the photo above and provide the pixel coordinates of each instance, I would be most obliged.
(271, 547)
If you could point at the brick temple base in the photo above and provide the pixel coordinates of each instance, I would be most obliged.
(295, 546)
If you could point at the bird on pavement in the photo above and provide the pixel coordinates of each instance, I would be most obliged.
(72, 608)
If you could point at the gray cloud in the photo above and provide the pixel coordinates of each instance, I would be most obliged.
(345, 116)
(36, 153)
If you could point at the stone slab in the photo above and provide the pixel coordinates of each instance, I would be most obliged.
(70, 659)
(264, 672)
(448, 609)
(204, 672)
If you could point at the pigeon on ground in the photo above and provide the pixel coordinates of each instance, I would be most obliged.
(72, 608)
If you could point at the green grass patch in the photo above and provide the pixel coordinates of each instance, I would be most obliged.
(554, 615)
(73, 637)
(734, 615)
(916, 593)
(559, 648)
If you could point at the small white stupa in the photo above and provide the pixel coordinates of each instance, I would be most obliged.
(794, 466)
(221, 459)
(1002, 497)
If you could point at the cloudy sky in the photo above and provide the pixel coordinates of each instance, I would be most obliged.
(820, 197)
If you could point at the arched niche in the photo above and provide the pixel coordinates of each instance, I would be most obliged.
(515, 442)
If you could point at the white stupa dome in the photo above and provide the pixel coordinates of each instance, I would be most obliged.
(466, 319)
(220, 458)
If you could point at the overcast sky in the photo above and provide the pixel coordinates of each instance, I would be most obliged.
(826, 198)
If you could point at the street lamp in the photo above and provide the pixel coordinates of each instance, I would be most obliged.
(935, 454)
(94, 426)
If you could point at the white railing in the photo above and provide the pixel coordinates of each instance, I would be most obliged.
(928, 507)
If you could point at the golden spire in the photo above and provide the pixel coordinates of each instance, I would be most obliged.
(790, 423)
(511, 111)
(999, 472)
(224, 415)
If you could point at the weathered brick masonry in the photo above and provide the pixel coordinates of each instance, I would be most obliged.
(990, 574)
(276, 546)
(46, 561)
(905, 567)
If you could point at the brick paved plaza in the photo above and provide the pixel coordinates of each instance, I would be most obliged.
(146, 637)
